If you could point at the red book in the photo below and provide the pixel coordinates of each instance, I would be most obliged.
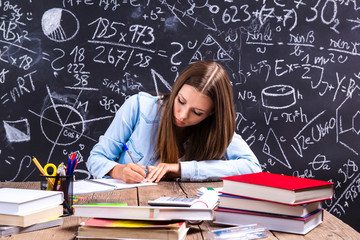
(278, 188)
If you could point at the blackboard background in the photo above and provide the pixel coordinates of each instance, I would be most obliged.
(294, 68)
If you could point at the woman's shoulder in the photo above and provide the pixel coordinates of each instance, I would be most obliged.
(147, 100)
(148, 104)
(147, 96)
(143, 98)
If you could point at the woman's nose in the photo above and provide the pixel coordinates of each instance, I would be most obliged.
(183, 115)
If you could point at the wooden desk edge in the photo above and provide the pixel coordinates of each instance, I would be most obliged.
(331, 228)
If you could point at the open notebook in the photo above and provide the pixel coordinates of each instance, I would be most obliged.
(104, 184)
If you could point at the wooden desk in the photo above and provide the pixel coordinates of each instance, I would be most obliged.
(331, 228)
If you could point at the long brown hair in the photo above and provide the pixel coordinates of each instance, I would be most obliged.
(209, 138)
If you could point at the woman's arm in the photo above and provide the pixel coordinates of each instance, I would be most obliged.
(103, 155)
(239, 160)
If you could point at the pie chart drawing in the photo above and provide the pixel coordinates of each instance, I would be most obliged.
(59, 25)
(62, 124)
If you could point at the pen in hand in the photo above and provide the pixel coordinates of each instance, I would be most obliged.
(127, 150)
(132, 159)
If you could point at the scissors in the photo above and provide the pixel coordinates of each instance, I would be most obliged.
(56, 171)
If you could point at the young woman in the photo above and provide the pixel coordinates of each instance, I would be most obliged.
(189, 133)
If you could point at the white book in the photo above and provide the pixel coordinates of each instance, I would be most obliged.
(31, 218)
(143, 212)
(249, 204)
(273, 222)
(17, 201)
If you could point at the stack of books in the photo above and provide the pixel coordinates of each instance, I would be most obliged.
(165, 218)
(279, 202)
(24, 210)
(99, 228)
(117, 221)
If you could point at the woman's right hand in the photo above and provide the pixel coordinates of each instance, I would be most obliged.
(129, 173)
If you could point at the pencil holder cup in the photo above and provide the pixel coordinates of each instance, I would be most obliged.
(64, 184)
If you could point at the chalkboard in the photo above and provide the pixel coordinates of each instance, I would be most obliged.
(67, 66)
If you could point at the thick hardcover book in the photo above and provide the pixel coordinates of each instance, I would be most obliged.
(134, 229)
(17, 201)
(250, 204)
(142, 212)
(11, 230)
(31, 218)
(278, 188)
(274, 222)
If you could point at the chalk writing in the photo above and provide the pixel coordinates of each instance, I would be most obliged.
(67, 66)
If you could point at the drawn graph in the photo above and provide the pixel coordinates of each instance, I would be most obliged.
(348, 122)
(62, 124)
(17, 131)
(278, 96)
(59, 25)
(273, 149)
(210, 49)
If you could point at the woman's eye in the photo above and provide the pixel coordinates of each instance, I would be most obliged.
(181, 102)
(198, 114)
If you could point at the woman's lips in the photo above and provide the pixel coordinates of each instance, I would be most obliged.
(178, 122)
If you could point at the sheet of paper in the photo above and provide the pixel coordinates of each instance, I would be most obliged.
(82, 186)
(119, 184)
(86, 186)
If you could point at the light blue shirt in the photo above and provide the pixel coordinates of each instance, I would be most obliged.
(136, 124)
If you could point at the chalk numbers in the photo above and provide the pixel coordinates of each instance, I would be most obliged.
(329, 6)
(143, 60)
(22, 62)
(348, 170)
(232, 14)
(77, 67)
(109, 104)
(25, 62)
(154, 15)
(78, 54)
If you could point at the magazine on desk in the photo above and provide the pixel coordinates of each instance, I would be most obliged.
(104, 184)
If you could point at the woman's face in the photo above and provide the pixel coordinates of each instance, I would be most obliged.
(191, 107)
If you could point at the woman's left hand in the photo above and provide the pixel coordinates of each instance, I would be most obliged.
(156, 173)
